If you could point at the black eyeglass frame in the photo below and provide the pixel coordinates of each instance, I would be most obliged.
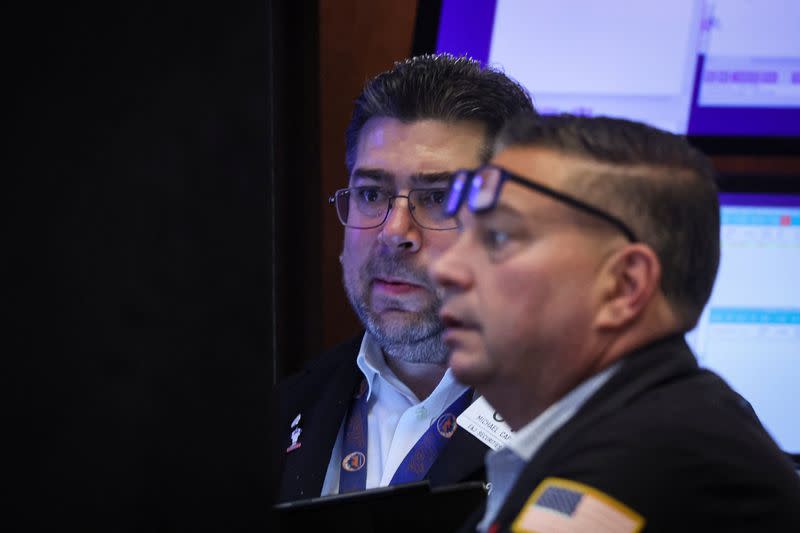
(467, 176)
(391, 198)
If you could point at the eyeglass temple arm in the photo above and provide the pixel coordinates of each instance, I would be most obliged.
(574, 202)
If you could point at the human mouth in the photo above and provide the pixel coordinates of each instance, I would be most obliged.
(395, 286)
(454, 327)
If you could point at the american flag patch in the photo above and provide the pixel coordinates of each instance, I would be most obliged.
(562, 506)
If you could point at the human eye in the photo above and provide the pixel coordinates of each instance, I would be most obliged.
(432, 197)
(495, 239)
(369, 195)
(431, 203)
(500, 242)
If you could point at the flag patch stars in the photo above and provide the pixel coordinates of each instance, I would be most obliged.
(560, 505)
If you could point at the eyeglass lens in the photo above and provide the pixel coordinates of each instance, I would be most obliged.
(368, 207)
(483, 188)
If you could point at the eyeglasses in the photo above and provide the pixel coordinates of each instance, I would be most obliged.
(368, 207)
(481, 188)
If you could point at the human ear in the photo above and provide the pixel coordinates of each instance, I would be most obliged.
(628, 283)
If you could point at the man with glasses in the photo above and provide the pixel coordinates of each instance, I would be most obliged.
(587, 247)
(380, 409)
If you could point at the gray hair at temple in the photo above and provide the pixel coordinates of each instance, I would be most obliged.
(440, 87)
(654, 181)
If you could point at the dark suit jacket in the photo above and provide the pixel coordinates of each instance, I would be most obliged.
(321, 394)
(674, 443)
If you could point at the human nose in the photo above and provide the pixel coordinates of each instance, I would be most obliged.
(451, 270)
(399, 230)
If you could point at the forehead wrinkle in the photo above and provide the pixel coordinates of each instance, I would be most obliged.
(429, 178)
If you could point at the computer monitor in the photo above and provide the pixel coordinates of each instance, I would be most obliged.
(715, 70)
(726, 73)
(749, 332)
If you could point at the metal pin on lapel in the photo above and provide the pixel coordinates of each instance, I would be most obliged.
(295, 435)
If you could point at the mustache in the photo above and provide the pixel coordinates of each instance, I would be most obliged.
(393, 266)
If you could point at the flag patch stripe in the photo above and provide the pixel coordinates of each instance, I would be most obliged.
(563, 506)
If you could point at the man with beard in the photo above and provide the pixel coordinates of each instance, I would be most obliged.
(380, 409)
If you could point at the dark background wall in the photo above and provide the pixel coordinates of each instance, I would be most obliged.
(358, 39)
(141, 264)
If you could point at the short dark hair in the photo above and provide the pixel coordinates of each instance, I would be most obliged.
(442, 87)
(656, 182)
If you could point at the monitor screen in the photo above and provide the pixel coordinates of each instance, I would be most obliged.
(749, 332)
(695, 67)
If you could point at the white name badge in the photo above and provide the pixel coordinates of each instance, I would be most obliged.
(485, 424)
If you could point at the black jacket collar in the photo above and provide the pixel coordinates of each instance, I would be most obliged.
(664, 360)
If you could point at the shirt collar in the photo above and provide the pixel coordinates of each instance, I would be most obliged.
(527, 441)
(372, 364)
(370, 361)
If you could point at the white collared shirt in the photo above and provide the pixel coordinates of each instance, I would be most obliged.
(503, 466)
(396, 418)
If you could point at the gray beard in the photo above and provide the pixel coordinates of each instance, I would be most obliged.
(419, 341)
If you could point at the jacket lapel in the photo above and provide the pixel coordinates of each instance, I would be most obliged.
(461, 460)
(321, 399)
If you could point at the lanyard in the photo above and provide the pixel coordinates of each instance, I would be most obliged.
(415, 465)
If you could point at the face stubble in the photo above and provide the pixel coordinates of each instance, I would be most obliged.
(414, 338)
